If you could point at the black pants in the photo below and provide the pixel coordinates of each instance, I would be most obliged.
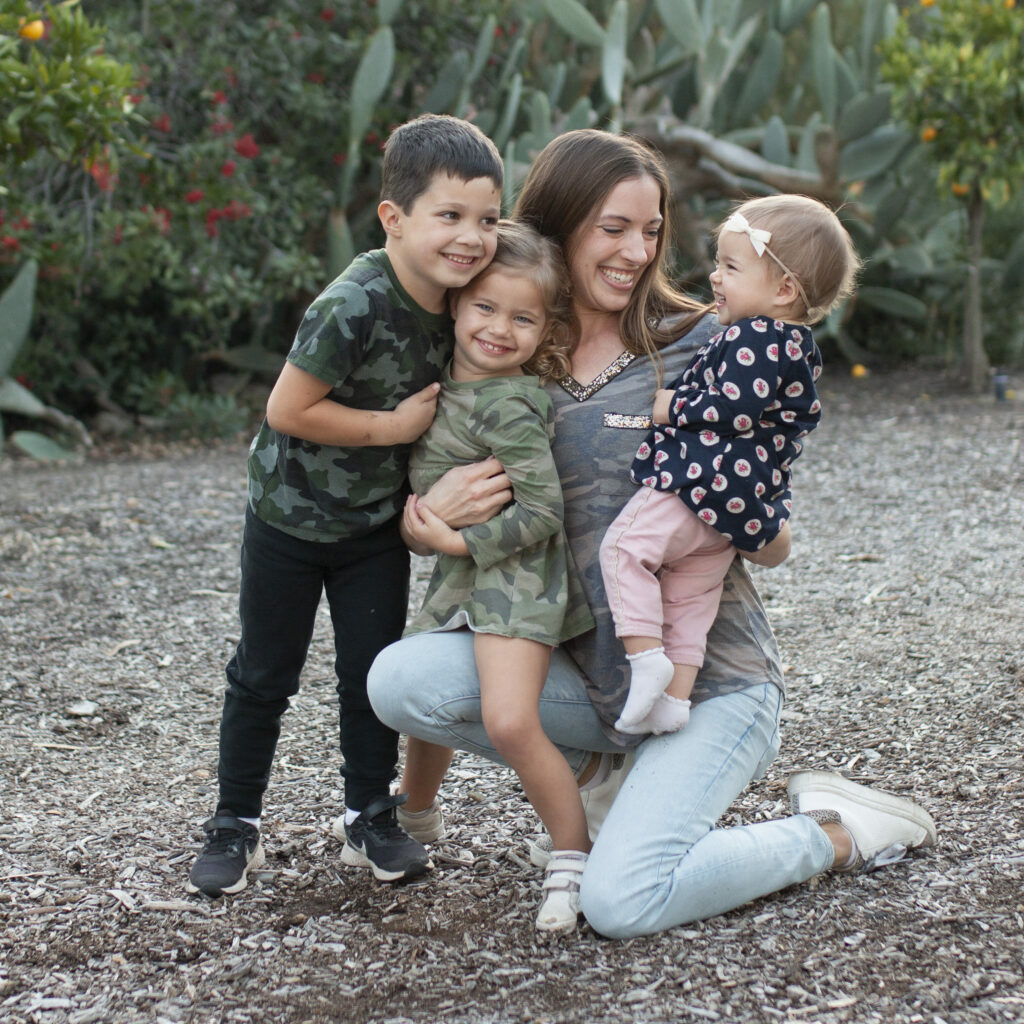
(283, 577)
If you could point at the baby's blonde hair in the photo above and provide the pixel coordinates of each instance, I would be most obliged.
(524, 250)
(810, 242)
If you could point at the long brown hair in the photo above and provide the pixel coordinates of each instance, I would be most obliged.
(568, 181)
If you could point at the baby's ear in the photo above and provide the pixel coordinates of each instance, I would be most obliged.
(390, 215)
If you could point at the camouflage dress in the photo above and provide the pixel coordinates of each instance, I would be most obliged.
(374, 345)
(518, 580)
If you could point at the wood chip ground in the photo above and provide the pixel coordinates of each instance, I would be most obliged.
(900, 616)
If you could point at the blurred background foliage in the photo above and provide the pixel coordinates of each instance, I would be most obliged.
(186, 176)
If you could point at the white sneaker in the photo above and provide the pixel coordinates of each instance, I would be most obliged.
(560, 910)
(597, 802)
(424, 826)
(884, 827)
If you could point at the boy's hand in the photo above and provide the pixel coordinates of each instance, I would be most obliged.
(469, 495)
(414, 414)
(663, 405)
(424, 530)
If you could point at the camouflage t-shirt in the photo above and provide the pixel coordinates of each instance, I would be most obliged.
(365, 337)
(518, 579)
(597, 429)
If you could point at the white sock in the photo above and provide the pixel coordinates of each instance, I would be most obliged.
(255, 822)
(351, 815)
(650, 672)
(601, 773)
(669, 714)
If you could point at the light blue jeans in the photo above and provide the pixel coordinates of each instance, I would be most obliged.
(658, 860)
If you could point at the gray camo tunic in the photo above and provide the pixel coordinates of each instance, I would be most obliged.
(518, 580)
(597, 430)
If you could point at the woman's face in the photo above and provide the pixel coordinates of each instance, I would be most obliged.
(608, 252)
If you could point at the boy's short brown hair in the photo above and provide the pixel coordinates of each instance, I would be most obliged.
(434, 144)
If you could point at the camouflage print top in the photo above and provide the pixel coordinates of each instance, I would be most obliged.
(367, 338)
(597, 429)
(518, 579)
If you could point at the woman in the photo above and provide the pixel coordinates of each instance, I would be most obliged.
(658, 861)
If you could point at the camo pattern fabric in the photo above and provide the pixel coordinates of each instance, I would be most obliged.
(598, 427)
(518, 580)
(370, 341)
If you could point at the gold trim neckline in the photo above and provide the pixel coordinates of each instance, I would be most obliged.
(581, 392)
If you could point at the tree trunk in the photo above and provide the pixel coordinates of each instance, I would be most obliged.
(976, 364)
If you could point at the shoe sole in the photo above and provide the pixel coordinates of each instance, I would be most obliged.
(256, 861)
(827, 782)
(356, 858)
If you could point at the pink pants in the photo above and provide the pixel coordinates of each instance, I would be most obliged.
(663, 570)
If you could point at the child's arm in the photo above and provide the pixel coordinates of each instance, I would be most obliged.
(299, 407)
(775, 552)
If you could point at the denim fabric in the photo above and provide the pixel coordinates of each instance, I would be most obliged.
(658, 860)
(366, 580)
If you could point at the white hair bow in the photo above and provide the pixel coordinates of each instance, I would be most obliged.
(759, 238)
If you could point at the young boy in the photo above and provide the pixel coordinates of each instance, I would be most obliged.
(327, 483)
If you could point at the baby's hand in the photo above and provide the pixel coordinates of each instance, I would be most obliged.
(414, 414)
(663, 405)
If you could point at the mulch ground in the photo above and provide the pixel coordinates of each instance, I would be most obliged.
(900, 616)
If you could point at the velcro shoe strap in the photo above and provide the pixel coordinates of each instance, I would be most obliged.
(564, 869)
(219, 821)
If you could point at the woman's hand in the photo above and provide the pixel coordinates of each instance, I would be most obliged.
(775, 552)
(425, 533)
(468, 495)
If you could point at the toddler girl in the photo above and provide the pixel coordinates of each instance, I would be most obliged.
(715, 469)
(510, 580)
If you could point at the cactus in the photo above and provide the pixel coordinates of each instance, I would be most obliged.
(16, 304)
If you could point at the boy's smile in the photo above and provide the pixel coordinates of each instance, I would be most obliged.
(446, 237)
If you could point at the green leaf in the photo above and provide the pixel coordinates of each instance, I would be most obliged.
(1013, 267)
(874, 153)
(341, 248)
(540, 115)
(39, 446)
(761, 81)
(17, 399)
(508, 115)
(682, 20)
(449, 82)
(371, 79)
(484, 45)
(823, 63)
(16, 314)
(775, 143)
(613, 54)
(807, 150)
(575, 19)
(892, 301)
(863, 114)
(580, 116)
(387, 10)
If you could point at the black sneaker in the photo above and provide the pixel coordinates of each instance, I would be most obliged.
(376, 841)
(232, 847)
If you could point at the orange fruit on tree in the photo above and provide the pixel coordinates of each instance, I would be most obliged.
(32, 30)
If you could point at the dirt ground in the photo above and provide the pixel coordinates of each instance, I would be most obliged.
(900, 616)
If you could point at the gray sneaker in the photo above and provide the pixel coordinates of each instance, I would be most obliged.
(376, 841)
(425, 826)
(883, 826)
(232, 847)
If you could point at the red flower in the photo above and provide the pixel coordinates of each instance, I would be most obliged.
(220, 96)
(10, 243)
(236, 210)
(162, 123)
(212, 216)
(194, 196)
(21, 224)
(228, 168)
(118, 237)
(220, 127)
(246, 146)
(340, 158)
(327, 14)
(101, 174)
(315, 77)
